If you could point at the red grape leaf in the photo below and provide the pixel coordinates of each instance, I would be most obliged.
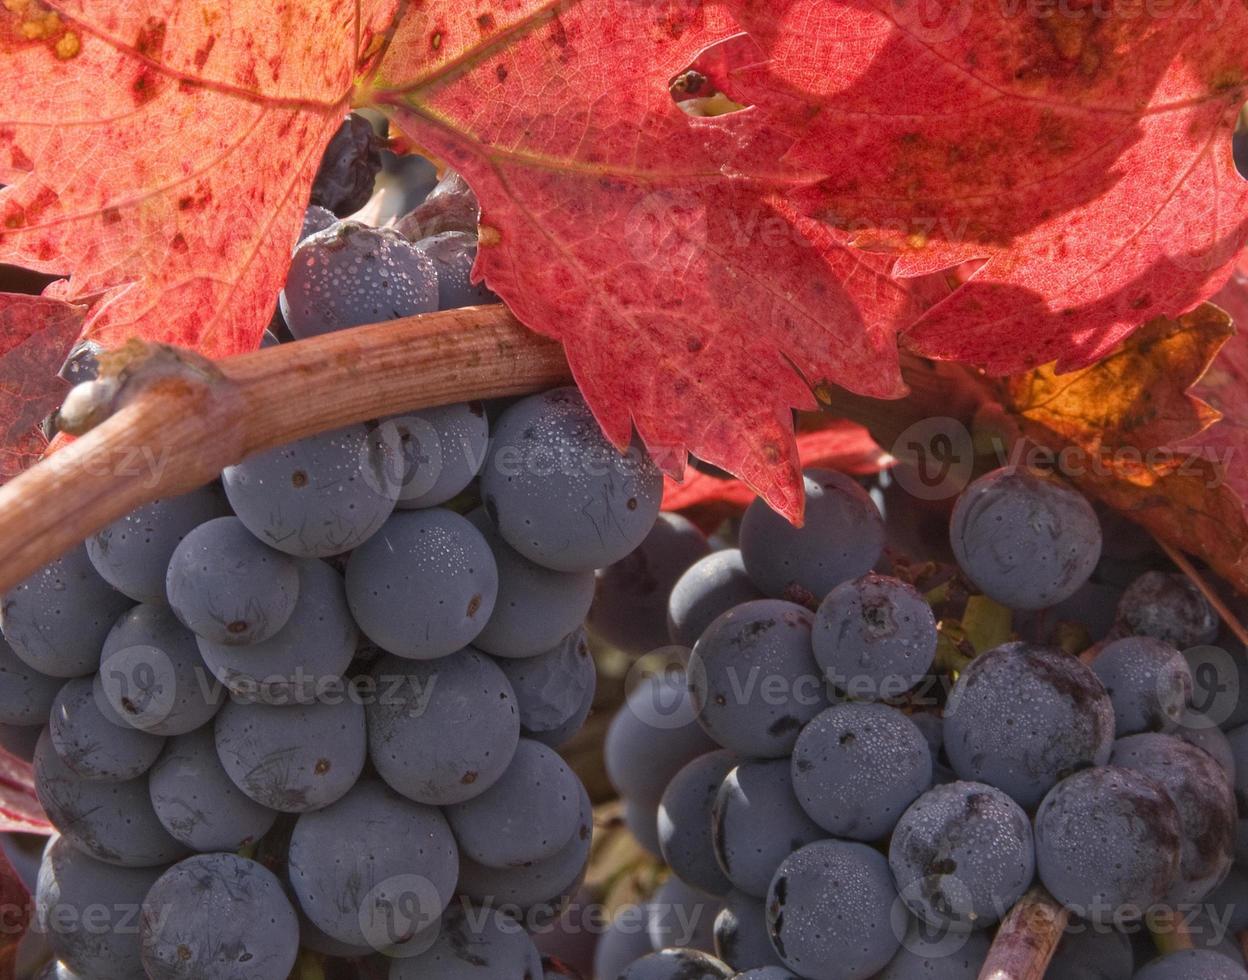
(1083, 150)
(162, 153)
(15, 910)
(19, 808)
(1134, 431)
(694, 302)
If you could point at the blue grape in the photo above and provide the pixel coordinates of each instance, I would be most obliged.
(197, 802)
(653, 734)
(1087, 952)
(1219, 685)
(623, 941)
(1204, 799)
(349, 167)
(1230, 900)
(449, 205)
(677, 964)
(536, 607)
(56, 620)
(874, 637)
(842, 539)
(1021, 717)
(293, 759)
(308, 654)
(133, 553)
(111, 822)
(1168, 607)
(91, 743)
(677, 914)
(961, 855)
(1148, 682)
(551, 688)
(1192, 964)
(20, 740)
(708, 588)
(89, 911)
(558, 737)
(26, 695)
(932, 725)
(1200, 731)
(56, 970)
(1025, 539)
(928, 954)
(152, 675)
(559, 492)
(857, 766)
(218, 917)
(767, 973)
(315, 218)
(540, 885)
(529, 813)
(453, 254)
(404, 851)
(320, 496)
(424, 586)
(642, 821)
(441, 448)
(474, 944)
(418, 703)
(757, 822)
(741, 938)
(630, 608)
(1108, 840)
(754, 680)
(350, 274)
(226, 586)
(684, 821)
(853, 879)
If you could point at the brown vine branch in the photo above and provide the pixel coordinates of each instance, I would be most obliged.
(177, 420)
(1184, 565)
(1027, 939)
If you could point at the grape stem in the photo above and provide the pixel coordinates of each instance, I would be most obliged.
(1027, 938)
(171, 421)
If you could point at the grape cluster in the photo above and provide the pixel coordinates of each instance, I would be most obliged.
(319, 704)
(848, 788)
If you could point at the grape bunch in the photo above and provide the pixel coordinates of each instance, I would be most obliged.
(865, 756)
(317, 706)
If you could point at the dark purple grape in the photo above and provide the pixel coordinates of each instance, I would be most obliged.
(1168, 606)
(1148, 682)
(708, 588)
(349, 167)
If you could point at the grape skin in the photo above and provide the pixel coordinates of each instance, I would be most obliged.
(72, 894)
(842, 538)
(927, 956)
(677, 914)
(172, 698)
(874, 637)
(854, 879)
(228, 587)
(133, 553)
(418, 703)
(1223, 698)
(528, 815)
(768, 973)
(707, 589)
(424, 586)
(1021, 717)
(442, 448)
(551, 687)
(684, 821)
(558, 737)
(56, 620)
(1192, 964)
(1107, 839)
(1148, 682)
(320, 496)
(372, 834)
(559, 492)
(1090, 953)
(292, 759)
(536, 607)
(1026, 540)
(623, 941)
(1169, 607)
(197, 802)
(453, 254)
(677, 964)
(111, 822)
(218, 917)
(91, 744)
(734, 667)
(630, 608)
(962, 855)
(1205, 802)
(1200, 731)
(300, 660)
(757, 822)
(642, 821)
(741, 938)
(474, 944)
(857, 766)
(26, 695)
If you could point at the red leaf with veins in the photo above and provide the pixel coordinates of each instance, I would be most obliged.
(162, 152)
(1084, 151)
(694, 302)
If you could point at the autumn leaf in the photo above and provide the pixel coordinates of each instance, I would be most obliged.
(1131, 431)
(1084, 152)
(15, 909)
(162, 153)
